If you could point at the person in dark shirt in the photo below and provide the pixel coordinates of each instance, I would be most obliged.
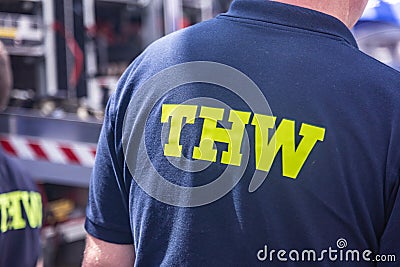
(20, 201)
(263, 136)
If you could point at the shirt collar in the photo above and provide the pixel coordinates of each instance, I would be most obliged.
(292, 16)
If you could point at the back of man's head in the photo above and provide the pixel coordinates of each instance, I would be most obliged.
(5, 77)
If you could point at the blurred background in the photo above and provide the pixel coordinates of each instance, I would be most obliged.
(66, 57)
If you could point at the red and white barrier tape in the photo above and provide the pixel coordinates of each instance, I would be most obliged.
(54, 151)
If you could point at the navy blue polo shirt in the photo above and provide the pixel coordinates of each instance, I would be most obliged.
(20, 215)
(327, 143)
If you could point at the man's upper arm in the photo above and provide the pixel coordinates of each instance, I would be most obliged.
(100, 253)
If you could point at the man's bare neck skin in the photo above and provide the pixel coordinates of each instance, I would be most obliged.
(347, 11)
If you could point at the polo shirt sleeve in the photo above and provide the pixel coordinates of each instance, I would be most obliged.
(107, 215)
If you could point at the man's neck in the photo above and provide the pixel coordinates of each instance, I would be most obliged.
(345, 10)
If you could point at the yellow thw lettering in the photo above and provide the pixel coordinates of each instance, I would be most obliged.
(284, 138)
(176, 113)
(211, 133)
(3, 210)
(11, 210)
(32, 203)
(15, 211)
